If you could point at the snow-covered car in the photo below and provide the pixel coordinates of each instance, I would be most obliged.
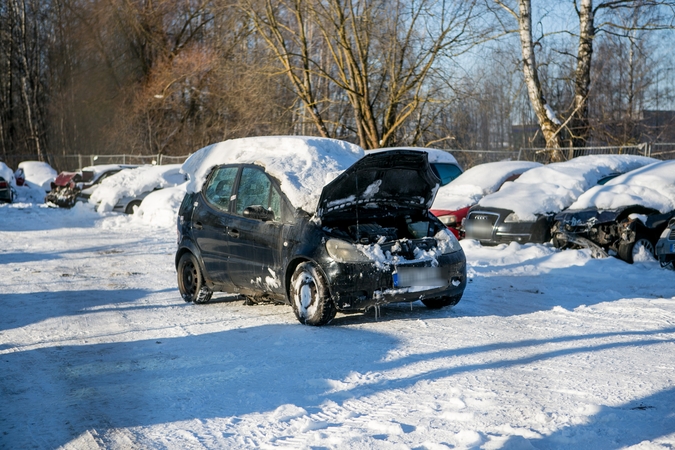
(7, 184)
(522, 211)
(443, 163)
(314, 223)
(665, 247)
(125, 190)
(70, 187)
(624, 217)
(454, 200)
(36, 174)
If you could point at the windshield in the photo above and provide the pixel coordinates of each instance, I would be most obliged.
(446, 172)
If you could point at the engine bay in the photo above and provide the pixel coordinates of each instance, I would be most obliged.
(384, 229)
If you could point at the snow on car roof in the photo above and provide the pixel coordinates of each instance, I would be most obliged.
(477, 182)
(38, 172)
(303, 165)
(652, 186)
(554, 187)
(6, 173)
(134, 182)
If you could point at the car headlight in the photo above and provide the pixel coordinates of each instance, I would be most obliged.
(513, 217)
(447, 242)
(343, 251)
(449, 220)
(665, 233)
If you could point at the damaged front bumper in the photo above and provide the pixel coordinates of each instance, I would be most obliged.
(360, 286)
(62, 196)
(567, 239)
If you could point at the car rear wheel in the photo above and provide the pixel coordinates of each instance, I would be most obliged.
(441, 302)
(191, 281)
(628, 251)
(309, 296)
(132, 204)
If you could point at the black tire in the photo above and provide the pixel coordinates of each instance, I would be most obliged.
(191, 281)
(130, 207)
(441, 302)
(670, 265)
(627, 251)
(310, 297)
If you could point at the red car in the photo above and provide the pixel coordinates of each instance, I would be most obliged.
(454, 200)
(70, 187)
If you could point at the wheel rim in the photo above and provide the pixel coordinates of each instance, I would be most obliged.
(189, 278)
(640, 244)
(306, 293)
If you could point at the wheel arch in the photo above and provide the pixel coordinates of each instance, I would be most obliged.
(290, 270)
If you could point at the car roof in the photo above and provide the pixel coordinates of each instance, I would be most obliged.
(554, 187)
(652, 186)
(302, 165)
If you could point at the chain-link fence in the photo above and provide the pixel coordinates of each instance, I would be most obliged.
(470, 158)
(72, 163)
(466, 158)
(662, 151)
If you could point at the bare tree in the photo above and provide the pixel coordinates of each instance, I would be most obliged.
(647, 16)
(375, 55)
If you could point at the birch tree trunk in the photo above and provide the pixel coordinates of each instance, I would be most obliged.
(545, 116)
(579, 124)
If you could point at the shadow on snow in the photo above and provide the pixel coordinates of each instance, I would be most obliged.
(252, 370)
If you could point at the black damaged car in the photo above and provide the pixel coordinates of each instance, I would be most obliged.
(371, 240)
(625, 217)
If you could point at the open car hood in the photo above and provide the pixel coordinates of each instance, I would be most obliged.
(64, 178)
(394, 179)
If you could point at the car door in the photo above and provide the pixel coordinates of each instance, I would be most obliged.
(211, 220)
(255, 244)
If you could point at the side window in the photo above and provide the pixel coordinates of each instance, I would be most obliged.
(219, 189)
(255, 188)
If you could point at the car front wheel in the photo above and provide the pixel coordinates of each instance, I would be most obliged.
(309, 296)
(131, 206)
(628, 251)
(191, 281)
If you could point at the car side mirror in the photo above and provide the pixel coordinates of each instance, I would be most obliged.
(259, 212)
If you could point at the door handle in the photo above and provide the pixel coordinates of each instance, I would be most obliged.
(233, 233)
(197, 226)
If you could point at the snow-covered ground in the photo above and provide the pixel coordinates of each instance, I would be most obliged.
(547, 349)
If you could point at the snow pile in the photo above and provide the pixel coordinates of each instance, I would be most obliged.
(160, 208)
(652, 186)
(554, 187)
(134, 182)
(38, 174)
(477, 182)
(547, 349)
(302, 165)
